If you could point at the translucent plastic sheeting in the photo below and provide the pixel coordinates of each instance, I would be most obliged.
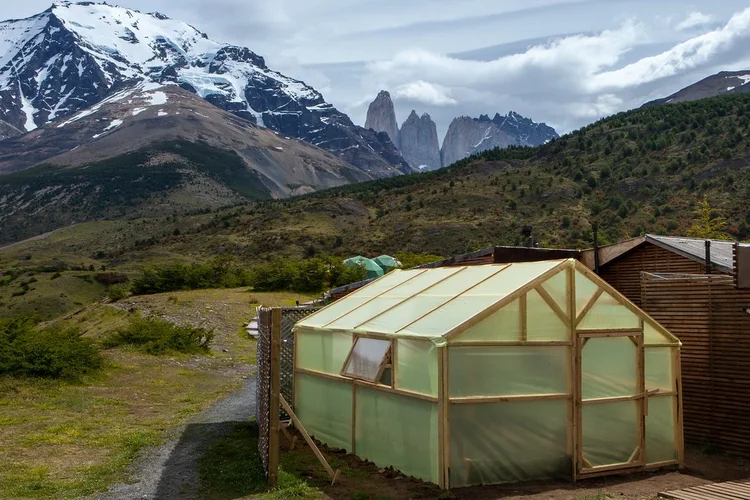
(507, 371)
(398, 431)
(507, 442)
(653, 336)
(660, 445)
(417, 366)
(366, 358)
(609, 313)
(322, 351)
(608, 368)
(585, 289)
(610, 432)
(345, 304)
(394, 296)
(504, 324)
(442, 291)
(479, 298)
(659, 368)
(541, 321)
(557, 288)
(324, 408)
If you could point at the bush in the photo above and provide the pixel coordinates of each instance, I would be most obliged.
(307, 276)
(51, 352)
(109, 279)
(219, 273)
(156, 336)
(409, 260)
(117, 292)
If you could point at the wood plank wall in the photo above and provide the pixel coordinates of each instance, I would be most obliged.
(708, 315)
(625, 273)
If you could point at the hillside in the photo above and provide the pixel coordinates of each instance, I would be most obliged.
(636, 172)
(722, 83)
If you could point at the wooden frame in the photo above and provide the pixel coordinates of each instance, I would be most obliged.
(273, 438)
(386, 362)
(577, 339)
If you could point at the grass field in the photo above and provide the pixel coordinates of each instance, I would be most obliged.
(67, 440)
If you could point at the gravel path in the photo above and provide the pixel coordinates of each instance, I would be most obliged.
(170, 471)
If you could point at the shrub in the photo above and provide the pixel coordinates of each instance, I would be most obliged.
(156, 336)
(109, 279)
(51, 352)
(307, 276)
(117, 292)
(219, 273)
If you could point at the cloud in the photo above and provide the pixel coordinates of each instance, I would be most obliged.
(567, 81)
(695, 20)
(424, 92)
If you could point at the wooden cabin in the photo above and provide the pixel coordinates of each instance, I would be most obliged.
(701, 292)
(621, 264)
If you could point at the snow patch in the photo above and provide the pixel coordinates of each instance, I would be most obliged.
(162, 113)
(138, 111)
(158, 99)
(729, 89)
(114, 124)
(279, 148)
(28, 110)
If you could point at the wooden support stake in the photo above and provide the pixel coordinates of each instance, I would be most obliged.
(524, 318)
(572, 415)
(301, 428)
(292, 439)
(273, 438)
(442, 399)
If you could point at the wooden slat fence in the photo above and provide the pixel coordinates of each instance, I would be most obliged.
(710, 317)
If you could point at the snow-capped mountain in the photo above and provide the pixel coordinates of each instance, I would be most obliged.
(73, 55)
(725, 82)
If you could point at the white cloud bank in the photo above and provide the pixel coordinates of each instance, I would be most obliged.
(568, 81)
(695, 20)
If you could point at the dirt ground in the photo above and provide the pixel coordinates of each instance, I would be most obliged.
(362, 480)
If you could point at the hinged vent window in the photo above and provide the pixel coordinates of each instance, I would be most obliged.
(368, 360)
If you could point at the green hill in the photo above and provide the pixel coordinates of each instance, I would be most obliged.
(635, 172)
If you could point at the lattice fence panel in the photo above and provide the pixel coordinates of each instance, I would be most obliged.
(263, 386)
(289, 317)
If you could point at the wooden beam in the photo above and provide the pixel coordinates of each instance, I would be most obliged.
(588, 307)
(292, 439)
(493, 308)
(570, 289)
(608, 333)
(441, 423)
(354, 418)
(679, 425)
(642, 403)
(273, 438)
(363, 383)
(552, 304)
(446, 418)
(507, 399)
(523, 311)
(310, 442)
(513, 343)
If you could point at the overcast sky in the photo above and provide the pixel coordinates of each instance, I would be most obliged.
(564, 62)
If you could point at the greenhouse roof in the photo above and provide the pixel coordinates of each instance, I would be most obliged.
(427, 303)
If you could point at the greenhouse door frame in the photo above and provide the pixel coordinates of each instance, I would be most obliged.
(638, 457)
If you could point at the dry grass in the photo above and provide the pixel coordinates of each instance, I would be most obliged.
(63, 440)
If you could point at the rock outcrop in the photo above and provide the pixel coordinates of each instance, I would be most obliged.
(527, 131)
(419, 142)
(467, 136)
(381, 116)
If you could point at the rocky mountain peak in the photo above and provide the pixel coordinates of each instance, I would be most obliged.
(381, 116)
(74, 55)
(419, 142)
(467, 136)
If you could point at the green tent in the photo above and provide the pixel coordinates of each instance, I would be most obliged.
(373, 269)
(387, 262)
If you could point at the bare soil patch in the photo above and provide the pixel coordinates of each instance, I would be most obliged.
(362, 480)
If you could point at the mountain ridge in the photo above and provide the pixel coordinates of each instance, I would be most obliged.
(73, 55)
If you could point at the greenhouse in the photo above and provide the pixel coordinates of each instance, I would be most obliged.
(489, 374)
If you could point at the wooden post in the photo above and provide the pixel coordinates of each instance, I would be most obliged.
(273, 438)
(442, 401)
(641, 389)
(572, 367)
(679, 426)
(446, 445)
(708, 256)
(524, 318)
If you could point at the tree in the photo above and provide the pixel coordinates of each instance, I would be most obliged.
(707, 225)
